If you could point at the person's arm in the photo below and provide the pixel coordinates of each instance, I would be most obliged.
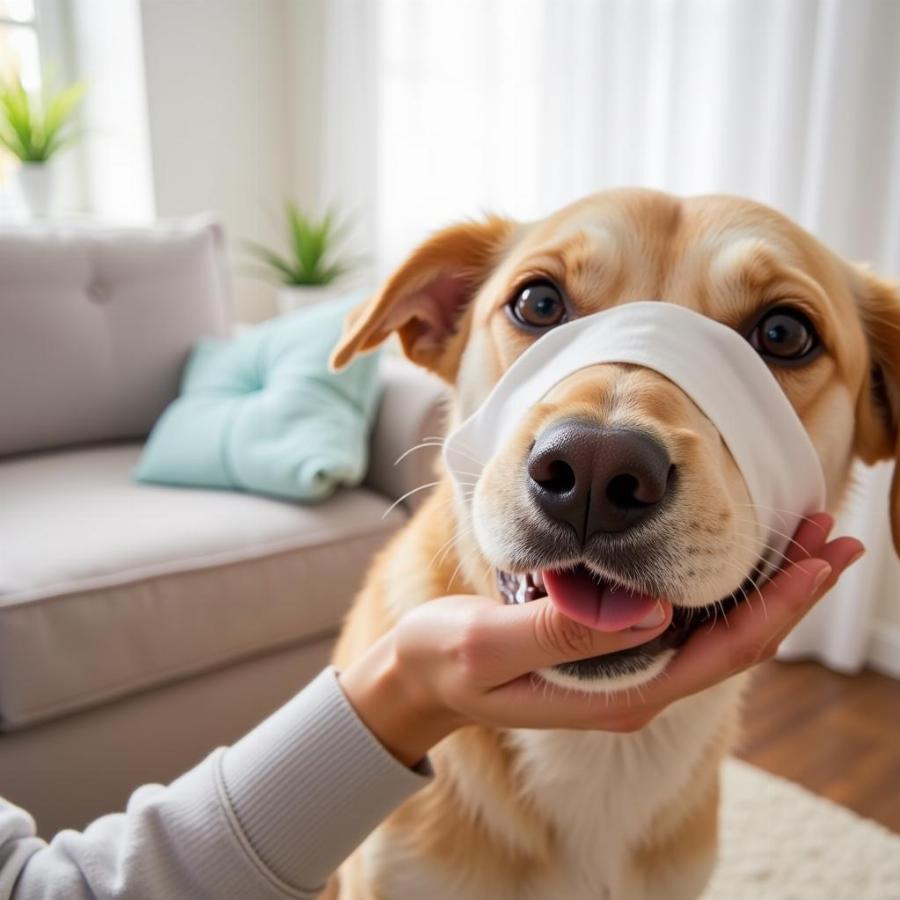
(270, 817)
(466, 660)
(274, 815)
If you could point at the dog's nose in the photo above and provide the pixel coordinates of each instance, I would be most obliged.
(598, 479)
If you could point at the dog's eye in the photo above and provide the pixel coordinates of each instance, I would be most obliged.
(784, 334)
(538, 305)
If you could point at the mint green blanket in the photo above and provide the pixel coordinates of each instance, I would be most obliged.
(263, 413)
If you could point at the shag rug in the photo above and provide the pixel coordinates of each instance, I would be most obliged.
(781, 842)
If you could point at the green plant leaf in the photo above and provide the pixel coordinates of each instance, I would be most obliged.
(31, 127)
(312, 244)
(58, 110)
(287, 272)
(13, 144)
(308, 243)
(60, 141)
(18, 118)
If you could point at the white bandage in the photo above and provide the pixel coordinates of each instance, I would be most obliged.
(711, 363)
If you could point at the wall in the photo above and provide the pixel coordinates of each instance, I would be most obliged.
(196, 106)
(884, 649)
(104, 50)
(218, 88)
(306, 98)
(889, 595)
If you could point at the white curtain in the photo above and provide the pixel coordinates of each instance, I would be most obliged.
(519, 106)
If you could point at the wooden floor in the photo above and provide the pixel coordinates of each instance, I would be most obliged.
(837, 735)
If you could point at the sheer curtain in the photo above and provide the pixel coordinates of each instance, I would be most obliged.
(519, 106)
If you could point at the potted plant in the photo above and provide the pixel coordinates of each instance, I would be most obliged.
(34, 127)
(312, 268)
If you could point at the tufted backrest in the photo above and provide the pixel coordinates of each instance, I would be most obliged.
(96, 324)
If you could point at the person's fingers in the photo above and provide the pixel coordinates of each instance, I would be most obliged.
(714, 653)
(840, 554)
(502, 647)
(509, 641)
(754, 629)
(809, 538)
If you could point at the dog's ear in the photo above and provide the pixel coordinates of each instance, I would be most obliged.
(878, 409)
(425, 299)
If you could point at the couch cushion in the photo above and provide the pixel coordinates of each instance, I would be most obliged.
(264, 412)
(97, 323)
(107, 586)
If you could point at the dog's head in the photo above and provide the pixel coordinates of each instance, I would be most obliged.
(616, 476)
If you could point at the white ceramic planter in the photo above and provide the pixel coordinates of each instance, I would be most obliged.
(294, 297)
(35, 181)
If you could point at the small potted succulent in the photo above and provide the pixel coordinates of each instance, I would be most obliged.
(34, 128)
(312, 269)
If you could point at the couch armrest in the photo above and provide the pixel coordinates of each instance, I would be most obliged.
(411, 410)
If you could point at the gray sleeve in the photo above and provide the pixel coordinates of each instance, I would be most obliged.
(270, 817)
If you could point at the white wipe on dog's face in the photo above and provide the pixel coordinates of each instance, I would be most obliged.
(713, 364)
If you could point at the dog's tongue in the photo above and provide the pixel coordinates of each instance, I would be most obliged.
(599, 605)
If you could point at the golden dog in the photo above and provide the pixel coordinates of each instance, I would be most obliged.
(624, 816)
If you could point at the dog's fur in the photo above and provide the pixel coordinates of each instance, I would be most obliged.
(625, 816)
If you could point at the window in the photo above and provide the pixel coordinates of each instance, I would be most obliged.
(460, 113)
(19, 56)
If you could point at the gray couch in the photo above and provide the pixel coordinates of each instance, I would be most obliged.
(141, 626)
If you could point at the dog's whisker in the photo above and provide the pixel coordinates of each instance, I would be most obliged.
(430, 444)
(745, 597)
(423, 446)
(724, 613)
(715, 617)
(778, 510)
(753, 507)
(415, 490)
(780, 534)
(445, 548)
(459, 565)
(441, 439)
(762, 599)
(785, 565)
(764, 545)
(454, 546)
(753, 583)
(451, 497)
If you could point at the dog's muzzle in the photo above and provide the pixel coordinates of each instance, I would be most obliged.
(713, 364)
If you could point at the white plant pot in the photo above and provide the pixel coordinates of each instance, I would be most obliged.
(35, 181)
(292, 297)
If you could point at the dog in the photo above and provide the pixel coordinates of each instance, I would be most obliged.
(531, 815)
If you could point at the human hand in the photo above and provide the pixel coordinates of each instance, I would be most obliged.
(466, 660)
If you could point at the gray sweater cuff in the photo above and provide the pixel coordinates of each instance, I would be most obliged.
(308, 784)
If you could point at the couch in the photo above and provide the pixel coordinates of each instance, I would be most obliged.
(141, 626)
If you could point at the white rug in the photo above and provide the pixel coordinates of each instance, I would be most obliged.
(781, 842)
